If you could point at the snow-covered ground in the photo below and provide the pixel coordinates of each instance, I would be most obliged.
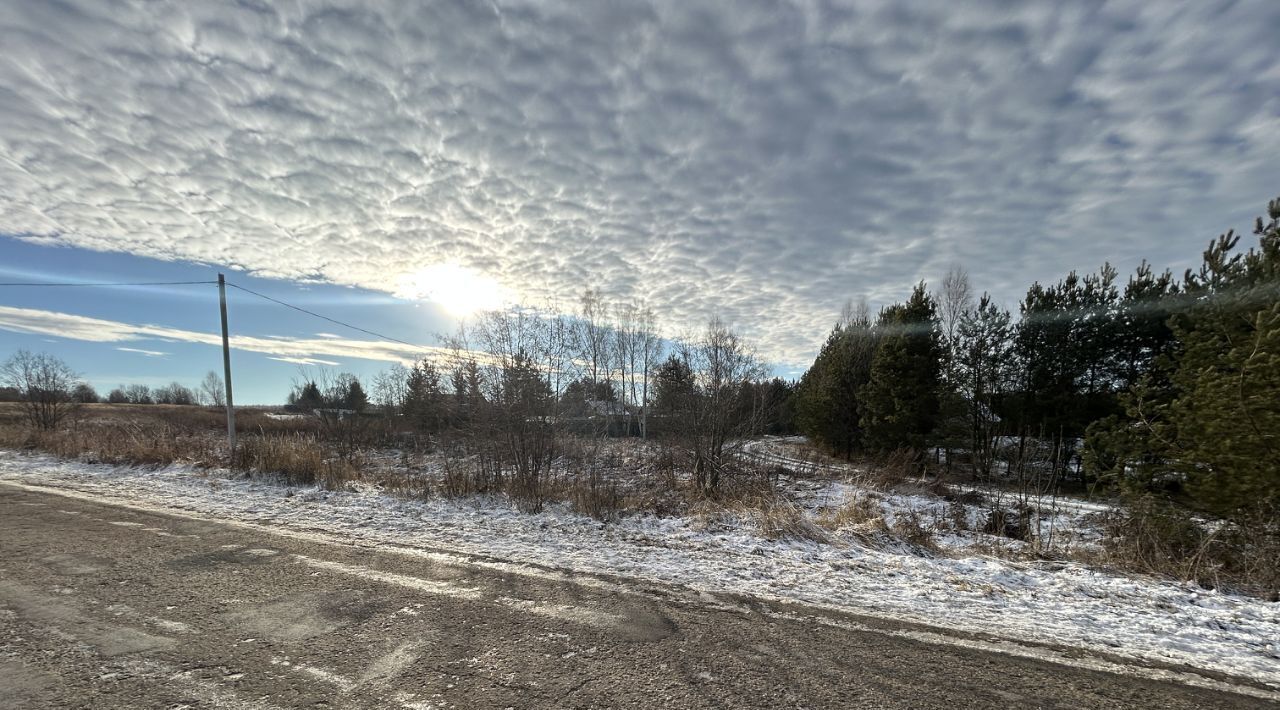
(1060, 603)
(1060, 525)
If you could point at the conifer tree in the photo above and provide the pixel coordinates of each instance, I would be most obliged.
(1206, 418)
(828, 404)
(1226, 413)
(983, 373)
(424, 397)
(900, 402)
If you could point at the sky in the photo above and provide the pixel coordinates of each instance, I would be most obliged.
(400, 165)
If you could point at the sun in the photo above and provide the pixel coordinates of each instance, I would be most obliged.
(459, 290)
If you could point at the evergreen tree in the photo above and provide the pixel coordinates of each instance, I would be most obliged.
(828, 401)
(900, 402)
(307, 397)
(674, 387)
(424, 403)
(983, 373)
(1143, 330)
(1205, 420)
(1225, 417)
(354, 397)
(1067, 344)
(468, 399)
(524, 392)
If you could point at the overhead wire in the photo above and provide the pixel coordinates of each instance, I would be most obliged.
(335, 321)
(104, 284)
(300, 309)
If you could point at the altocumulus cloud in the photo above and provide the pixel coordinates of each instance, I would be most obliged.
(762, 161)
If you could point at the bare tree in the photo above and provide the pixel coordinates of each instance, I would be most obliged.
(138, 394)
(174, 393)
(955, 304)
(45, 386)
(956, 300)
(390, 388)
(519, 359)
(716, 414)
(638, 349)
(212, 390)
(593, 338)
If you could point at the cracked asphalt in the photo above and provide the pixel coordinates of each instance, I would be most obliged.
(109, 607)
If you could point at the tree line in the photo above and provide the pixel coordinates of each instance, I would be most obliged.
(1164, 384)
(517, 387)
(49, 389)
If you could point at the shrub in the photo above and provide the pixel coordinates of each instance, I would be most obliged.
(1152, 535)
(300, 459)
(593, 494)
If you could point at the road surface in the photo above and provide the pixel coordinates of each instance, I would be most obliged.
(104, 606)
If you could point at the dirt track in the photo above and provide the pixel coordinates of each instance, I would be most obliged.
(102, 606)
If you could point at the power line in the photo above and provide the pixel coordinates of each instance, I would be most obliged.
(130, 283)
(335, 321)
(327, 318)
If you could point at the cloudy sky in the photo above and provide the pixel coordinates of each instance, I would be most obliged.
(403, 163)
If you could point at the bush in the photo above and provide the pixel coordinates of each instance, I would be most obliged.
(594, 495)
(300, 459)
(1155, 536)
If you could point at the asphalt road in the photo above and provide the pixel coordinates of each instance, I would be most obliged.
(109, 607)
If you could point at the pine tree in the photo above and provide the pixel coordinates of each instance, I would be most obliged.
(307, 397)
(827, 400)
(1225, 418)
(1143, 331)
(1205, 419)
(674, 386)
(424, 397)
(983, 373)
(354, 398)
(900, 402)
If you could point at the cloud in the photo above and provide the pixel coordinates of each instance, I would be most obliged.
(304, 360)
(148, 353)
(761, 161)
(66, 325)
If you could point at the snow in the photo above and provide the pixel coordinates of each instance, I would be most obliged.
(1058, 604)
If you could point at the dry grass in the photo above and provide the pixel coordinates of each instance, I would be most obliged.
(751, 495)
(158, 435)
(298, 458)
(859, 513)
(912, 528)
(594, 495)
(117, 443)
(779, 519)
(1153, 536)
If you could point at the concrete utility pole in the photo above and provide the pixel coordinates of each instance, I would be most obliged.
(226, 367)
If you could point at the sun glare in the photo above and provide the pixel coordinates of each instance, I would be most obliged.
(459, 290)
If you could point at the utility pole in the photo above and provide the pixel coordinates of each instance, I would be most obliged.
(226, 368)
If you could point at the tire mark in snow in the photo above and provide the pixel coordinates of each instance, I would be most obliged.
(562, 612)
(1011, 648)
(430, 586)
